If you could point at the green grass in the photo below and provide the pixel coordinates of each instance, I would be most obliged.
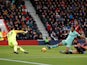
(52, 57)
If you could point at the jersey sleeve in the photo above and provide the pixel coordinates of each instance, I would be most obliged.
(78, 34)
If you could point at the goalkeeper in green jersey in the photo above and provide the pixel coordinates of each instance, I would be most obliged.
(11, 36)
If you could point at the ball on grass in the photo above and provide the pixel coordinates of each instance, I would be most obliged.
(43, 49)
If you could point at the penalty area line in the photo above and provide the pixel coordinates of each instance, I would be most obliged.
(20, 61)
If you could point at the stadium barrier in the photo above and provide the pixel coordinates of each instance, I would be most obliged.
(22, 42)
(33, 42)
(3, 43)
(52, 42)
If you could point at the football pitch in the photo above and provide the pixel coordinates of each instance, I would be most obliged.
(36, 57)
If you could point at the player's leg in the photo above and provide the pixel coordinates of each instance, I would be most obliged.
(77, 46)
(68, 45)
(59, 44)
(52, 46)
(16, 47)
(75, 52)
(21, 49)
(11, 44)
(67, 51)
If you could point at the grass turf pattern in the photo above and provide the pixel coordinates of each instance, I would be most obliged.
(52, 57)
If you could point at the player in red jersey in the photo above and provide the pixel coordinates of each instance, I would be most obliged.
(80, 48)
(79, 30)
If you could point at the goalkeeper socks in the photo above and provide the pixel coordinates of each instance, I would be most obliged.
(54, 46)
(15, 48)
(21, 49)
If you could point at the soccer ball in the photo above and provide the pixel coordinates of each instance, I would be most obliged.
(43, 49)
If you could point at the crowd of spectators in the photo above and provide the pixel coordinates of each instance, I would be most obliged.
(59, 15)
(15, 15)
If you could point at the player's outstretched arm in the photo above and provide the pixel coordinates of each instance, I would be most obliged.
(20, 31)
(82, 36)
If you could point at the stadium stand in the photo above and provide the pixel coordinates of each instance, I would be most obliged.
(58, 15)
(15, 14)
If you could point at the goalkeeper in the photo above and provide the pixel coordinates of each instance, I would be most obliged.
(11, 36)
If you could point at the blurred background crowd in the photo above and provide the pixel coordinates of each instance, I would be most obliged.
(56, 15)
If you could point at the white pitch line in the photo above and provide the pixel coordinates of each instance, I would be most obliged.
(26, 62)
